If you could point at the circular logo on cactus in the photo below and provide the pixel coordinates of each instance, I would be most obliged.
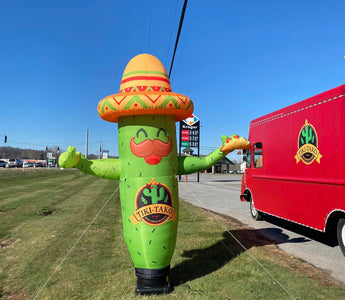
(154, 204)
(307, 145)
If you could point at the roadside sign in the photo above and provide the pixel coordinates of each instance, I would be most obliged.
(191, 120)
(105, 154)
(189, 132)
(190, 135)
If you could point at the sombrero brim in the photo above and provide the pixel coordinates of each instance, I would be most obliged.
(137, 103)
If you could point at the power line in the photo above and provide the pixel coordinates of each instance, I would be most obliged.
(171, 26)
(150, 25)
(186, 35)
(178, 34)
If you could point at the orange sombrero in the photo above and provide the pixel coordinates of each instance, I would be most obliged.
(145, 89)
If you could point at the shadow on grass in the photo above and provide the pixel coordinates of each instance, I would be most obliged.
(201, 262)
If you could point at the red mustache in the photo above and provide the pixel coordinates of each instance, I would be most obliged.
(149, 147)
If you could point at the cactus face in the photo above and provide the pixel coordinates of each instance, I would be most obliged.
(147, 146)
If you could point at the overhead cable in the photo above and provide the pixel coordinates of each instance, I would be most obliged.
(178, 34)
(169, 36)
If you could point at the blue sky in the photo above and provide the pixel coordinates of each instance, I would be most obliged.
(237, 60)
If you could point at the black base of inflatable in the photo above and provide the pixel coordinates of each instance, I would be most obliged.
(152, 286)
(152, 281)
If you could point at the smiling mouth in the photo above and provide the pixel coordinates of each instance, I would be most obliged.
(153, 159)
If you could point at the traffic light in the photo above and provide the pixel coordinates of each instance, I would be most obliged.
(46, 148)
(5, 139)
(58, 149)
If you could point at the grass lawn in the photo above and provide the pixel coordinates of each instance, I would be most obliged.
(43, 214)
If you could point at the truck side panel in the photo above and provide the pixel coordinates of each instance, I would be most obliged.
(294, 184)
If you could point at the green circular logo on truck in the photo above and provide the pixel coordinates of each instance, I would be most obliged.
(307, 145)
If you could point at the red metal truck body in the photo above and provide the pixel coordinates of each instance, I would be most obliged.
(300, 176)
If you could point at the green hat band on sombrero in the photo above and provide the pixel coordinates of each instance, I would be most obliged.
(145, 89)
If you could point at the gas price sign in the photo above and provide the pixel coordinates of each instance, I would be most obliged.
(190, 132)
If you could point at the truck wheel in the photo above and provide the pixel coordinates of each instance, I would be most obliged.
(257, 215)
(341, 235)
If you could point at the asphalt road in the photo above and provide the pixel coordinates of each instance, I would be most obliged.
(220, 193)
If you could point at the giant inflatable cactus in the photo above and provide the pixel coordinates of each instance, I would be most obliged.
(146, 111)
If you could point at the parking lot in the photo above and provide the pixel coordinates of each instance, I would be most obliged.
(17, 163)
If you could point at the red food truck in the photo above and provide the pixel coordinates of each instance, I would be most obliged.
(295, 167)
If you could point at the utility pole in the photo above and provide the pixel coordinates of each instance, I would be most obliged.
(87, 143)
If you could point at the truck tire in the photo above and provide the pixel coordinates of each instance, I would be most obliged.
(257, 215)
(341, 234)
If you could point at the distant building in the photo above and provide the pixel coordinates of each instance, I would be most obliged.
(188, 151)
(223, 166)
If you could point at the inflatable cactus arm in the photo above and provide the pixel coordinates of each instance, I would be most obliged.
(104, 168)
(192, 164)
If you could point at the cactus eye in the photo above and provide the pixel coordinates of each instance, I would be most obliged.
(161, 130)
(141, 130)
